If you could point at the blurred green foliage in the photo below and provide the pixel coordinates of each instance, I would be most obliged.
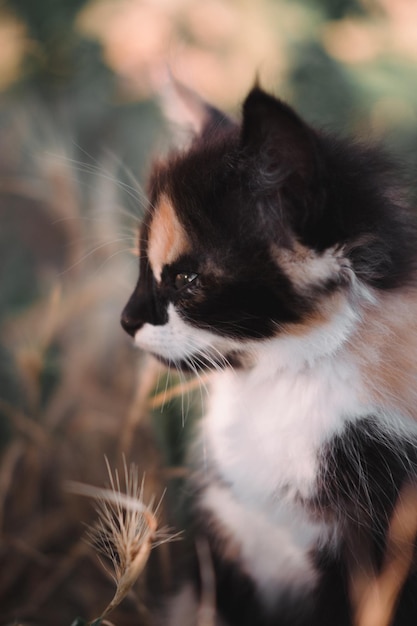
(337, 9)
(61, 52)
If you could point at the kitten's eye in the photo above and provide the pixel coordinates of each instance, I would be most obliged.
(183, 279)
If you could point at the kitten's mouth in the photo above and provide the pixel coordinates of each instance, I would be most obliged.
(203, 363)
(193, 363)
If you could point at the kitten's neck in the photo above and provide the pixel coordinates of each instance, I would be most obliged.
(264, 428)
(306, 346)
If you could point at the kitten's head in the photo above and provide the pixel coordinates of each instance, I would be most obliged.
(261, 230)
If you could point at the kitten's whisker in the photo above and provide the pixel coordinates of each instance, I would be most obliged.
(92, 252)
(112, 256)
(190, 362)
(130, 175)
(100, 172)
(224, 361)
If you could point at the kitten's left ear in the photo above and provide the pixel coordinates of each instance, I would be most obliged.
(188, 114)
(277, 137)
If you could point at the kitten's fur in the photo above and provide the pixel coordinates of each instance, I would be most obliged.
(284, 260)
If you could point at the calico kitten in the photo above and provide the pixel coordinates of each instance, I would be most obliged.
(283, 260)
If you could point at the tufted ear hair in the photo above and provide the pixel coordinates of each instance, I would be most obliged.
(273, 132)
(187, 113)
(284, 159)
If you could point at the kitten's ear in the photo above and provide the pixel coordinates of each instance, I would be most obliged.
(188, 114)
(275, 134)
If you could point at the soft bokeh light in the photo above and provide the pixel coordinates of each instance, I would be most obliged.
(13, 45)
(216, 47)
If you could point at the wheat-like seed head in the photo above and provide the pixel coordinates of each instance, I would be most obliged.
(126, 529)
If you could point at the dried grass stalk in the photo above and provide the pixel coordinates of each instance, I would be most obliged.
(161, 398)
(206, 615)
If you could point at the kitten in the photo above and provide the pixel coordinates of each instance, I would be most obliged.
(283, 260)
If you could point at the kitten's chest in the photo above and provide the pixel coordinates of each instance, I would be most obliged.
(264, 433)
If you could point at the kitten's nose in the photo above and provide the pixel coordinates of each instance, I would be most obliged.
(132, 317)
(142, 309)
(129, 324)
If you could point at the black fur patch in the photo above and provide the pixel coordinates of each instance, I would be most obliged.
(239, 603)
(362, 473)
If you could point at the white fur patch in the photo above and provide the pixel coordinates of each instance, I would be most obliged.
(307, 268)
(177, 340)
(275, 555)
(264, 431)
(302, 346)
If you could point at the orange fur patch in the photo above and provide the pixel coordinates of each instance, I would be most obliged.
(327, 309)
(385, 347)
(167, 237)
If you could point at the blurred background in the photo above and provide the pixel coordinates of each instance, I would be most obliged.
(79, 125)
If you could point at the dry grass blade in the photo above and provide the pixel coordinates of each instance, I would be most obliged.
(207, 608)
(138, 409)
(376, 602)
(48, 586)
(126, 529)
(24, 424)
(8, 464)
(163, 397)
